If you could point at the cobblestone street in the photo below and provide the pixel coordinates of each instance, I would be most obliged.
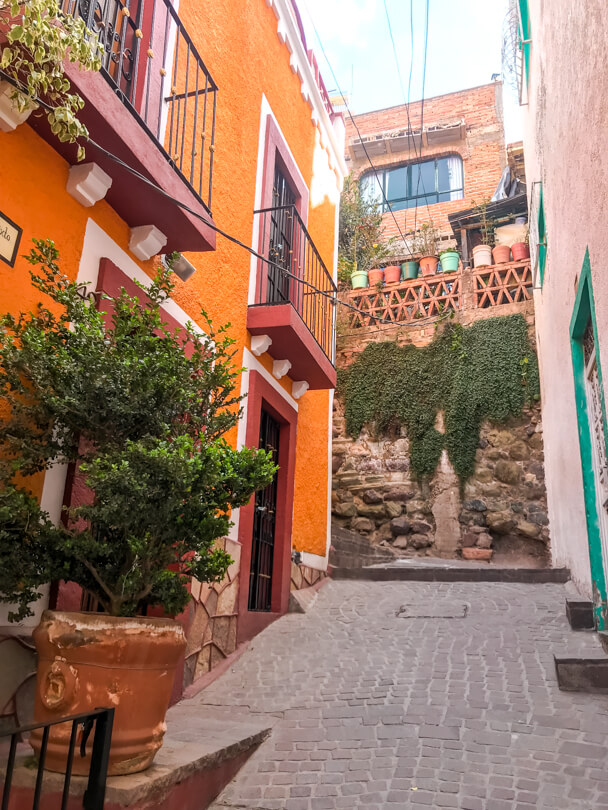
(377, 706)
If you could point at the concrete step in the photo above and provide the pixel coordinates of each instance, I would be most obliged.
(583, 674)
(415, 570)
(203, 750)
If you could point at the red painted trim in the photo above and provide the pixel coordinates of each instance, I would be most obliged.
(292, 340)
(263, 395)
(276, 151)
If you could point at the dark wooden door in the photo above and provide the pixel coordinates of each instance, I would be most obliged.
(264, 522)
(281, 239)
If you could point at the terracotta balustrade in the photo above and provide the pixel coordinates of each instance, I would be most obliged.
(433, 296)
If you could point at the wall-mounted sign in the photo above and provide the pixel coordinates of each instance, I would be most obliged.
(10, 236)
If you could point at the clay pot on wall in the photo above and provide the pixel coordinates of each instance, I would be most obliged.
(359, 279)
(501, 254)
(376, 276)
(520, 251)
(92, 660)
(482, 255)
(392, 273)
(428, 265)
(449, 261)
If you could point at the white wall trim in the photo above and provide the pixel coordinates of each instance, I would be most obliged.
(314, 561)
(288, 33)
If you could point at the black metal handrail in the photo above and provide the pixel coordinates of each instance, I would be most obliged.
(94, 796)
(156, 70)
(297, 275)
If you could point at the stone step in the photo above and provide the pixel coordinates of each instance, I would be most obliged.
(583, 674)
(450, 571)
(203, 750)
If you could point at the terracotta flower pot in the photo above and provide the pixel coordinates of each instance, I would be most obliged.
(428, 265)
(392, 273)
(520, 251)
(482, 255)
(375, 276)
(501, 254)
(92, 660)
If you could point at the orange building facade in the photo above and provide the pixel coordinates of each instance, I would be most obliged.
(222, 106)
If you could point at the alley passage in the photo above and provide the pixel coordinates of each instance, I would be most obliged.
(378, 709)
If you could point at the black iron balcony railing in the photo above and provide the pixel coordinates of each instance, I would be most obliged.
(155, 69)
(82, 725)
(296, 274)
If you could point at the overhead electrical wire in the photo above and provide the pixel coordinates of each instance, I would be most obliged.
(406, 100)
(426, 47)
(334, 300)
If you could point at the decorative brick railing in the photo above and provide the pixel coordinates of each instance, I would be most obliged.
(433, 296)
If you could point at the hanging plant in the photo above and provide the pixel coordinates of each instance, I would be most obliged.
(486, 371)
(39, 38)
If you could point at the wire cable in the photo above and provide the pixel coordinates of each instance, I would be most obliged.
(426, 47)
(333, 298)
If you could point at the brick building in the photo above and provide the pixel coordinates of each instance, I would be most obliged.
(458, 142)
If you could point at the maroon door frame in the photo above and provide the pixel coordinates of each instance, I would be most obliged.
(263, 395)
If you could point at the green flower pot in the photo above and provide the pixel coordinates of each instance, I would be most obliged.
(410, 269)
(449, 261)
(359, 280)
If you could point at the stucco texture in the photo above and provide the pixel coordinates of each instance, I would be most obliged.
(565, 148)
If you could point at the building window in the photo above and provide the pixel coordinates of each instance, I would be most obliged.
(525, 35)
(432, 181)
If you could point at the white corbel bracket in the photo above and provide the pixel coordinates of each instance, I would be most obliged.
(260, 344)
(88, 183)
(146, 241)
(10, 117)
(280, 368)
(299, 388)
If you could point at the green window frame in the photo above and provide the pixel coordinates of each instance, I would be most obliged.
(584, 310)
(525, 35)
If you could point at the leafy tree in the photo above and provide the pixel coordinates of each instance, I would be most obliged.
(141, 411)
(361, 241)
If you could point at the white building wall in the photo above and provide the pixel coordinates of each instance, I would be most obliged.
(566, 147)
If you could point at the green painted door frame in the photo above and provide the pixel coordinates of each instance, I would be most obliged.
(584, 308)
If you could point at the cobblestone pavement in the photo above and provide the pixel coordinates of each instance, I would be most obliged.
(376, 710)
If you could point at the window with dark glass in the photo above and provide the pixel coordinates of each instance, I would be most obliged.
(426, 183)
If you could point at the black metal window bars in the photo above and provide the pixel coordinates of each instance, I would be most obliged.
(155, 69)
(287, 244)
(94, 797)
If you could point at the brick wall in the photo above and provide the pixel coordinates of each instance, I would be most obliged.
(482, 150)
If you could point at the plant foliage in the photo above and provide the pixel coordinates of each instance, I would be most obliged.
(140, 412)
(486, 371)
(39, 39)
(361, 241)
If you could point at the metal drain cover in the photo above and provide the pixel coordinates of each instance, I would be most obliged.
(438, 610)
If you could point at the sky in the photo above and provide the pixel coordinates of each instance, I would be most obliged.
(464, 49)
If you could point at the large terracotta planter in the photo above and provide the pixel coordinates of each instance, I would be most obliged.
(520, 251)
(376, 276)
(482, 255)
(91, 660)
(392, 273)
(501, 254)
(428, 265)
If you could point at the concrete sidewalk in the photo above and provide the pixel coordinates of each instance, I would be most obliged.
(401, 694)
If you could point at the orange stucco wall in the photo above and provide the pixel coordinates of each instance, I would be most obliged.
(238, 41)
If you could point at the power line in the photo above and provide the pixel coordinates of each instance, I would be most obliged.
(334, 300)
(426, 44)
(350, 115)
(407, 105)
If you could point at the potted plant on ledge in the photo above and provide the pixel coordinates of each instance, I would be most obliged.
(482, 253)
(449, 259)
(425, 243)
(138, 412)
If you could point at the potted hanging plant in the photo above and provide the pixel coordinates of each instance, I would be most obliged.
(139, 412)
(425, 243)
(392, 273)
(482, 253)
(449, 260)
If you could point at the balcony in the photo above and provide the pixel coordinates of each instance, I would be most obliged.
(294, 301)
(153, 104)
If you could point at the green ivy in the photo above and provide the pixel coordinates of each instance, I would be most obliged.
(486, 371)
